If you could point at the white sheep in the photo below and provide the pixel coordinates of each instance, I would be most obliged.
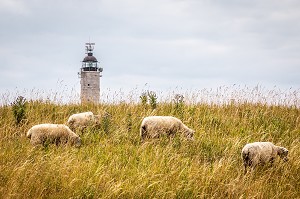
(52, 133)
(80, 121)
(155, 126)
(257, 153)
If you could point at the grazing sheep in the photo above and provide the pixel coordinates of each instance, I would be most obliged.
(80, 121)
(52, 133)
(155, 126)
(257, 153)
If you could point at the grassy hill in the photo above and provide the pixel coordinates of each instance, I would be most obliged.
(113, 163)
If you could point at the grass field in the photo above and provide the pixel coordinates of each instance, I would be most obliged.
(113, 163)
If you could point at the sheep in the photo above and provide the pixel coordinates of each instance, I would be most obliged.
(52, 133)
(155, 126)
(257, 153)
(80, 121)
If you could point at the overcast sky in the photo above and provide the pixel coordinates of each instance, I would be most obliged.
(155, 45)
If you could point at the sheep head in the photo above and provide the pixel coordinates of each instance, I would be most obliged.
(190, 134)
(283, 153)
(77, 142)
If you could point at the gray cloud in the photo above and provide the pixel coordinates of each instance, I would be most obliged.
(165, 44)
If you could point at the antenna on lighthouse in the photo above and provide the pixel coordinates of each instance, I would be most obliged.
(89, 47)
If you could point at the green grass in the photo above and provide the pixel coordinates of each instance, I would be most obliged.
(113, 163)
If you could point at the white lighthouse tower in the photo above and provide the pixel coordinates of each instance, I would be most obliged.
(90, 77)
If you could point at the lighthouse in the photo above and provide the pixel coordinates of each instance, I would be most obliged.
(89, 75)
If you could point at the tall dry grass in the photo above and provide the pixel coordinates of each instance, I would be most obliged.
(113, 163)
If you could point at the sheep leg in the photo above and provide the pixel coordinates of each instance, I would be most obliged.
(57, 141)
(247, 163)
(143, 132)
(272, 161)
(245, 170)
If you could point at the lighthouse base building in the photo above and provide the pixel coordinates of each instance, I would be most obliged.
(90, 86)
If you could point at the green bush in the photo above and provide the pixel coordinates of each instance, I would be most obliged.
(19, 109)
